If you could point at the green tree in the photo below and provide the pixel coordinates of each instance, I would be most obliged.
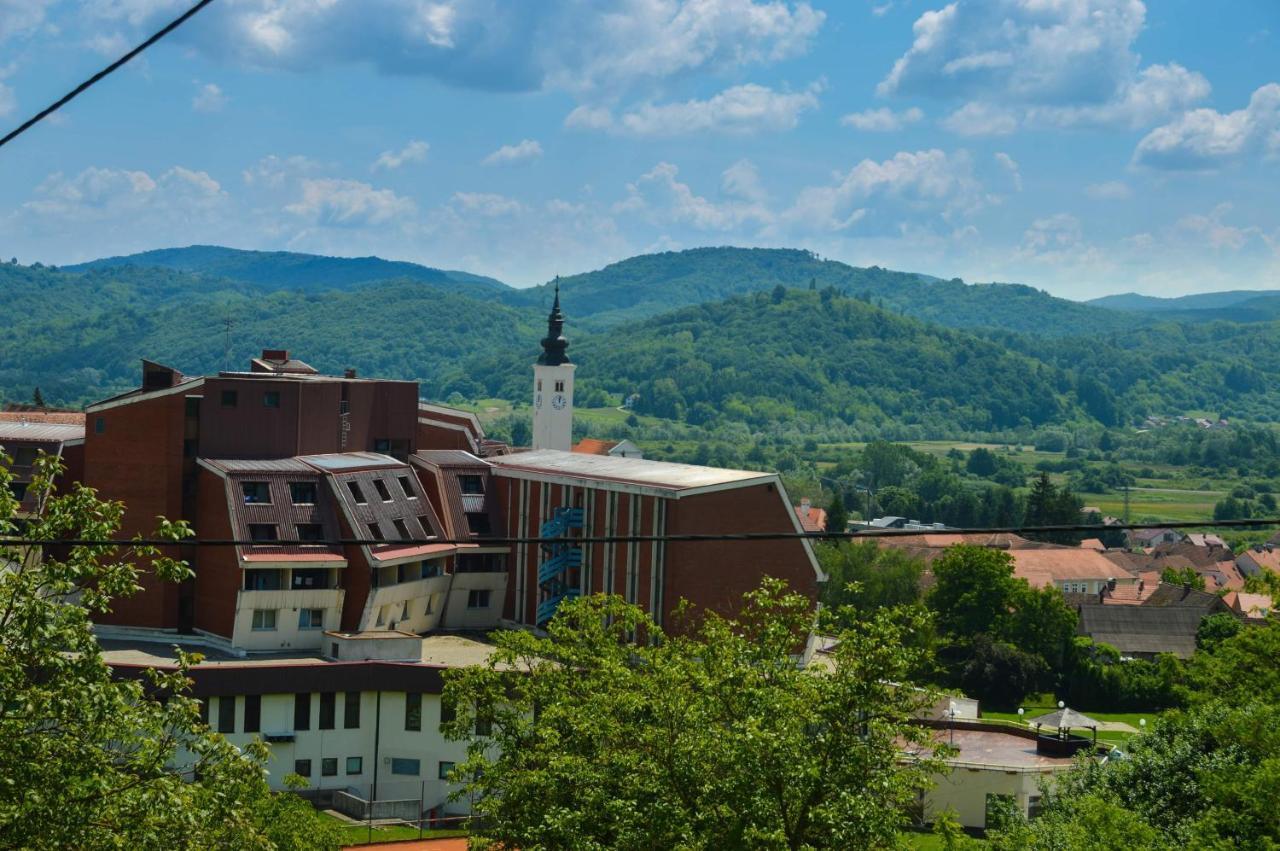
(837, 514)
(982, 462)
(974, 591)
(93, 762)
(1241, 668)
(713, 738)
(1182, 576)
(37, 398)
(1215, 629)
(866, 577)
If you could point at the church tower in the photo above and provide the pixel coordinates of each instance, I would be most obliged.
(553, 386)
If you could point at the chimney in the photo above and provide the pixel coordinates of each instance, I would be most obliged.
(275, 354)
(349, 373)
(804, 504)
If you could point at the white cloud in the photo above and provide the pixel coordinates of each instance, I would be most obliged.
(742, 109)
(8, 100)
(1213, 230)
(274, 171)
(486, 203)
(665, 199)
(209, 98)
(1111, 190)
(981, 119)
(21, 17)
(106, 193)
(414, 152)
(1010, 165)
(522, 151)
(1206, 138)
(742, 180)
(907, 186)
(1158, 92)
(1056, 62)
(882, 120)
(494, 45)
(335, 202)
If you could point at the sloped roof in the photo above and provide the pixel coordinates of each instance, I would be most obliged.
(1065, 564)
(1092, 544)
(1264, 558)
(1250, 605)
(1065, 718)
(41, 432)
(592, 446)
(42, 416)
(1181, 596)
(1143, 629)
(812, 519)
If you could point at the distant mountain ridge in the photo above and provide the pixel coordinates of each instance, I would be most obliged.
(1138, 303)
(290, 270)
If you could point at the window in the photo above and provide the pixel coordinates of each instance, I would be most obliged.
(413, 710)
(351, 710)
(407, 572)
(381, 487)
(310, 532)
(329, 766)
(478, 523)
(356, 493)
(375, 533)
(100, 425)
(310, 618)
(18, 489)
(445, 769)
(263, 532)
(430, 569)
(471, 484)
(271, 399)
(226, 714)
(315, 577)
(484, 721)
(402, 530)
(230, 398)
(539, 385)
(264, 619)
(252, 713)
(327, 708)
(302, 767)
(407, 488)
(382, 444)
(1033, 807)
(302, 711)
(204, 712)
(478, 598)
(302, 493)
(426, 526)
(382, 616)
(559, 386)
(406, 766)
(355, 764)
(24, 456)
(256, 493)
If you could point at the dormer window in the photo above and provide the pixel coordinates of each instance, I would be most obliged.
(471, 485)
(263, 532)
(402, 529)
(478, 523)
(302, 493)
(407, 487)
(310, 532)
(256, 493)
(381, 487)
(356, 493)
(375, 532)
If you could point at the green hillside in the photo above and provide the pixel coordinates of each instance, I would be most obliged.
(1138, 303)
(274, 270)
(651, 284)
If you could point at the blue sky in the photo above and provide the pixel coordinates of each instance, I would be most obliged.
(1082, 146)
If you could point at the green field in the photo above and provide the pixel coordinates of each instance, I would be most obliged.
(1115, 737)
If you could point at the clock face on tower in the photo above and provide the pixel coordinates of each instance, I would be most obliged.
(557, 402)
(537, 401)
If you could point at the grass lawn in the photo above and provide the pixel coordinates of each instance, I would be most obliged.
(1115, 737)
(358, 834)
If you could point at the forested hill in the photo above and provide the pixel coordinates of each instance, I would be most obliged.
(797, 359)
(275, 270)
(1137, 303)
(651, 284)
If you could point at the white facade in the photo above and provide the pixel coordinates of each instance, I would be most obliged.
(333, 755)
(290, 624)
(553, 407)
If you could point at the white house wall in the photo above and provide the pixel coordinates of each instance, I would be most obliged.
(286, 603)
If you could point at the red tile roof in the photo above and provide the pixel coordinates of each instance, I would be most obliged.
(591, 446)
(812, 519)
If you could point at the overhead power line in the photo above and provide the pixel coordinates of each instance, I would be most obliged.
(71, 95)
(626, 539)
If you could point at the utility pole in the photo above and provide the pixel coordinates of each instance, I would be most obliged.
(1126, 502)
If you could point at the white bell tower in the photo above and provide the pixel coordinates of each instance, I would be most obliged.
(553, 387)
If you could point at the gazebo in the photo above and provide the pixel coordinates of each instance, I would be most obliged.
(1064, 720)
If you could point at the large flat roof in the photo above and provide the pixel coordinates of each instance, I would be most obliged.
(629, 472)
(998, 750)
(51, 432)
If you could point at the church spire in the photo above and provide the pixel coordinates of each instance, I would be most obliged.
(554, 344)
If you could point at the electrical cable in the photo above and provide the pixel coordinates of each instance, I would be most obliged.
(494, 541)
(71, 95)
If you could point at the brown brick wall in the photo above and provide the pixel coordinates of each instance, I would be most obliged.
(218, 576)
